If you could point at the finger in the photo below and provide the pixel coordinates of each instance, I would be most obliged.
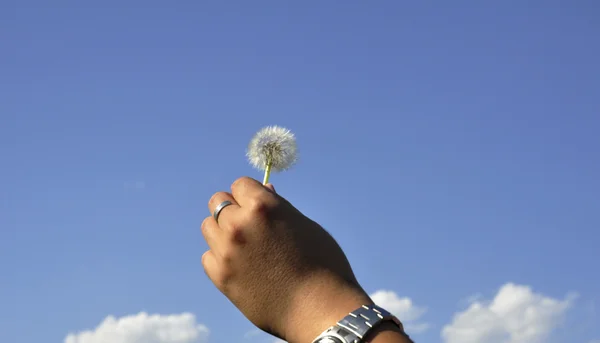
(227, 211)
(210, 265)
(246, 190)
(271, 187)
(213, 234)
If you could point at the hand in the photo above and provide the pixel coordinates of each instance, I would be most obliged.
(283, 271)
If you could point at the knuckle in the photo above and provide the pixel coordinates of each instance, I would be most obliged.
(225, 275)
(237, 235)
(262, 205)
(228, 258)
(240, 181)
(234, 226)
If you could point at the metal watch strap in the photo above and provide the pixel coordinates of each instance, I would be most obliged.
(356, 325)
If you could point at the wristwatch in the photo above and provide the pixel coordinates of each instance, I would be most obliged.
(356, 325)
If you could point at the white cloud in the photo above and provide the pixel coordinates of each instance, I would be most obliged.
(403, 308)
(144, 328)
(515, 315)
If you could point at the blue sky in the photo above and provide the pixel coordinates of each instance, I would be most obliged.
(450, 147)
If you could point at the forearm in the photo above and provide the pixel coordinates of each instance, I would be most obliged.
(387, 333)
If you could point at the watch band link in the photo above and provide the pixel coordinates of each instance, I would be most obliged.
(354, 327)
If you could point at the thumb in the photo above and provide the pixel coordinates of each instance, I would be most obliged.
(271, 187)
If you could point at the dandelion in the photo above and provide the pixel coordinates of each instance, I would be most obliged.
(273, 148)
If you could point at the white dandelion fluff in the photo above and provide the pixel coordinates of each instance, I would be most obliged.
(273, 148)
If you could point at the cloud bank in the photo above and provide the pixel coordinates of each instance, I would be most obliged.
(515, 315)
(144, 328)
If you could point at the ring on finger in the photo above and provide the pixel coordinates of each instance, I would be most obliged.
(219, 208)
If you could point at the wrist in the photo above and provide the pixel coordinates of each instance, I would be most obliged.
(320, 305)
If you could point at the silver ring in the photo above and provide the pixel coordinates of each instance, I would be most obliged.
(220, 208)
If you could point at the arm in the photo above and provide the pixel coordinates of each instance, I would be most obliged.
(286, 273)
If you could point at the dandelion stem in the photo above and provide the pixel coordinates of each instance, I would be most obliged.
(268, 171)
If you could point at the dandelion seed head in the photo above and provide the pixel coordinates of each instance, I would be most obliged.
(273, 143)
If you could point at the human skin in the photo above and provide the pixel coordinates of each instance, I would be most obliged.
(282, 270)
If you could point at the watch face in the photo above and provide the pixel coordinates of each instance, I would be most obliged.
(330, 339)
